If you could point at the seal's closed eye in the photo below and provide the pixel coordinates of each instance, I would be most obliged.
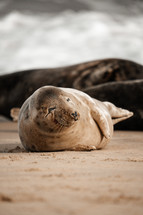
(50, 109)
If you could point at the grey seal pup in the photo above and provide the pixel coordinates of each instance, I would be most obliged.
(53, 119)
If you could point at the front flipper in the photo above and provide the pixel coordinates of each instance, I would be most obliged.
(101, 117)
(117, 114)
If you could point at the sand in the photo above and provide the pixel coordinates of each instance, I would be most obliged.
(108, 181)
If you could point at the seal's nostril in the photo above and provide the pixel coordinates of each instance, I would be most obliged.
(75, 115)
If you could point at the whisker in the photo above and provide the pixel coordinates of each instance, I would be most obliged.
(60, 128)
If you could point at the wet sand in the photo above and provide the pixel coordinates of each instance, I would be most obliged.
(108, 181)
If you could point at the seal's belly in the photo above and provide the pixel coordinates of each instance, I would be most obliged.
(85, 135)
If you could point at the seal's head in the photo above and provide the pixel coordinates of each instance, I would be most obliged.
(52, 109)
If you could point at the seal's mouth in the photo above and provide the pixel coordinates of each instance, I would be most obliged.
(65, 118)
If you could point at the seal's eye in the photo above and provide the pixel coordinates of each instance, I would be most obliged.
(52, 108)
(68, 99)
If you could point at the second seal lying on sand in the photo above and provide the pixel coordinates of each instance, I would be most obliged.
(53, 119)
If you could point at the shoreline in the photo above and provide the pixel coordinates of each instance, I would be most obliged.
(68, 182)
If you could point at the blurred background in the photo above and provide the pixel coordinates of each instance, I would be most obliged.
(53, 33)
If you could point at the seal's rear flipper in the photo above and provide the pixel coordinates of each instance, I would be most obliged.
(14, 113)
(117, 114)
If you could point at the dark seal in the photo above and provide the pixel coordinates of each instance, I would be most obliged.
(15, 88)
(126, 94)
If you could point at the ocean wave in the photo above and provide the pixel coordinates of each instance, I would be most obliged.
(49, 40)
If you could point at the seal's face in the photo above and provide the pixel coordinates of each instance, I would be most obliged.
(54, 110)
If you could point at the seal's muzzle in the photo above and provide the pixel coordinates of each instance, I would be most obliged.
(75, 116)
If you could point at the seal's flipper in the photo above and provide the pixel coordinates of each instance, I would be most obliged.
(117, 114)
(14, 113)
(102, 121)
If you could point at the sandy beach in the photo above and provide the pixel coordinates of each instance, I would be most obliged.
(107, 181)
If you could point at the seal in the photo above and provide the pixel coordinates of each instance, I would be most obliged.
(53, 119)
(15, 88)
